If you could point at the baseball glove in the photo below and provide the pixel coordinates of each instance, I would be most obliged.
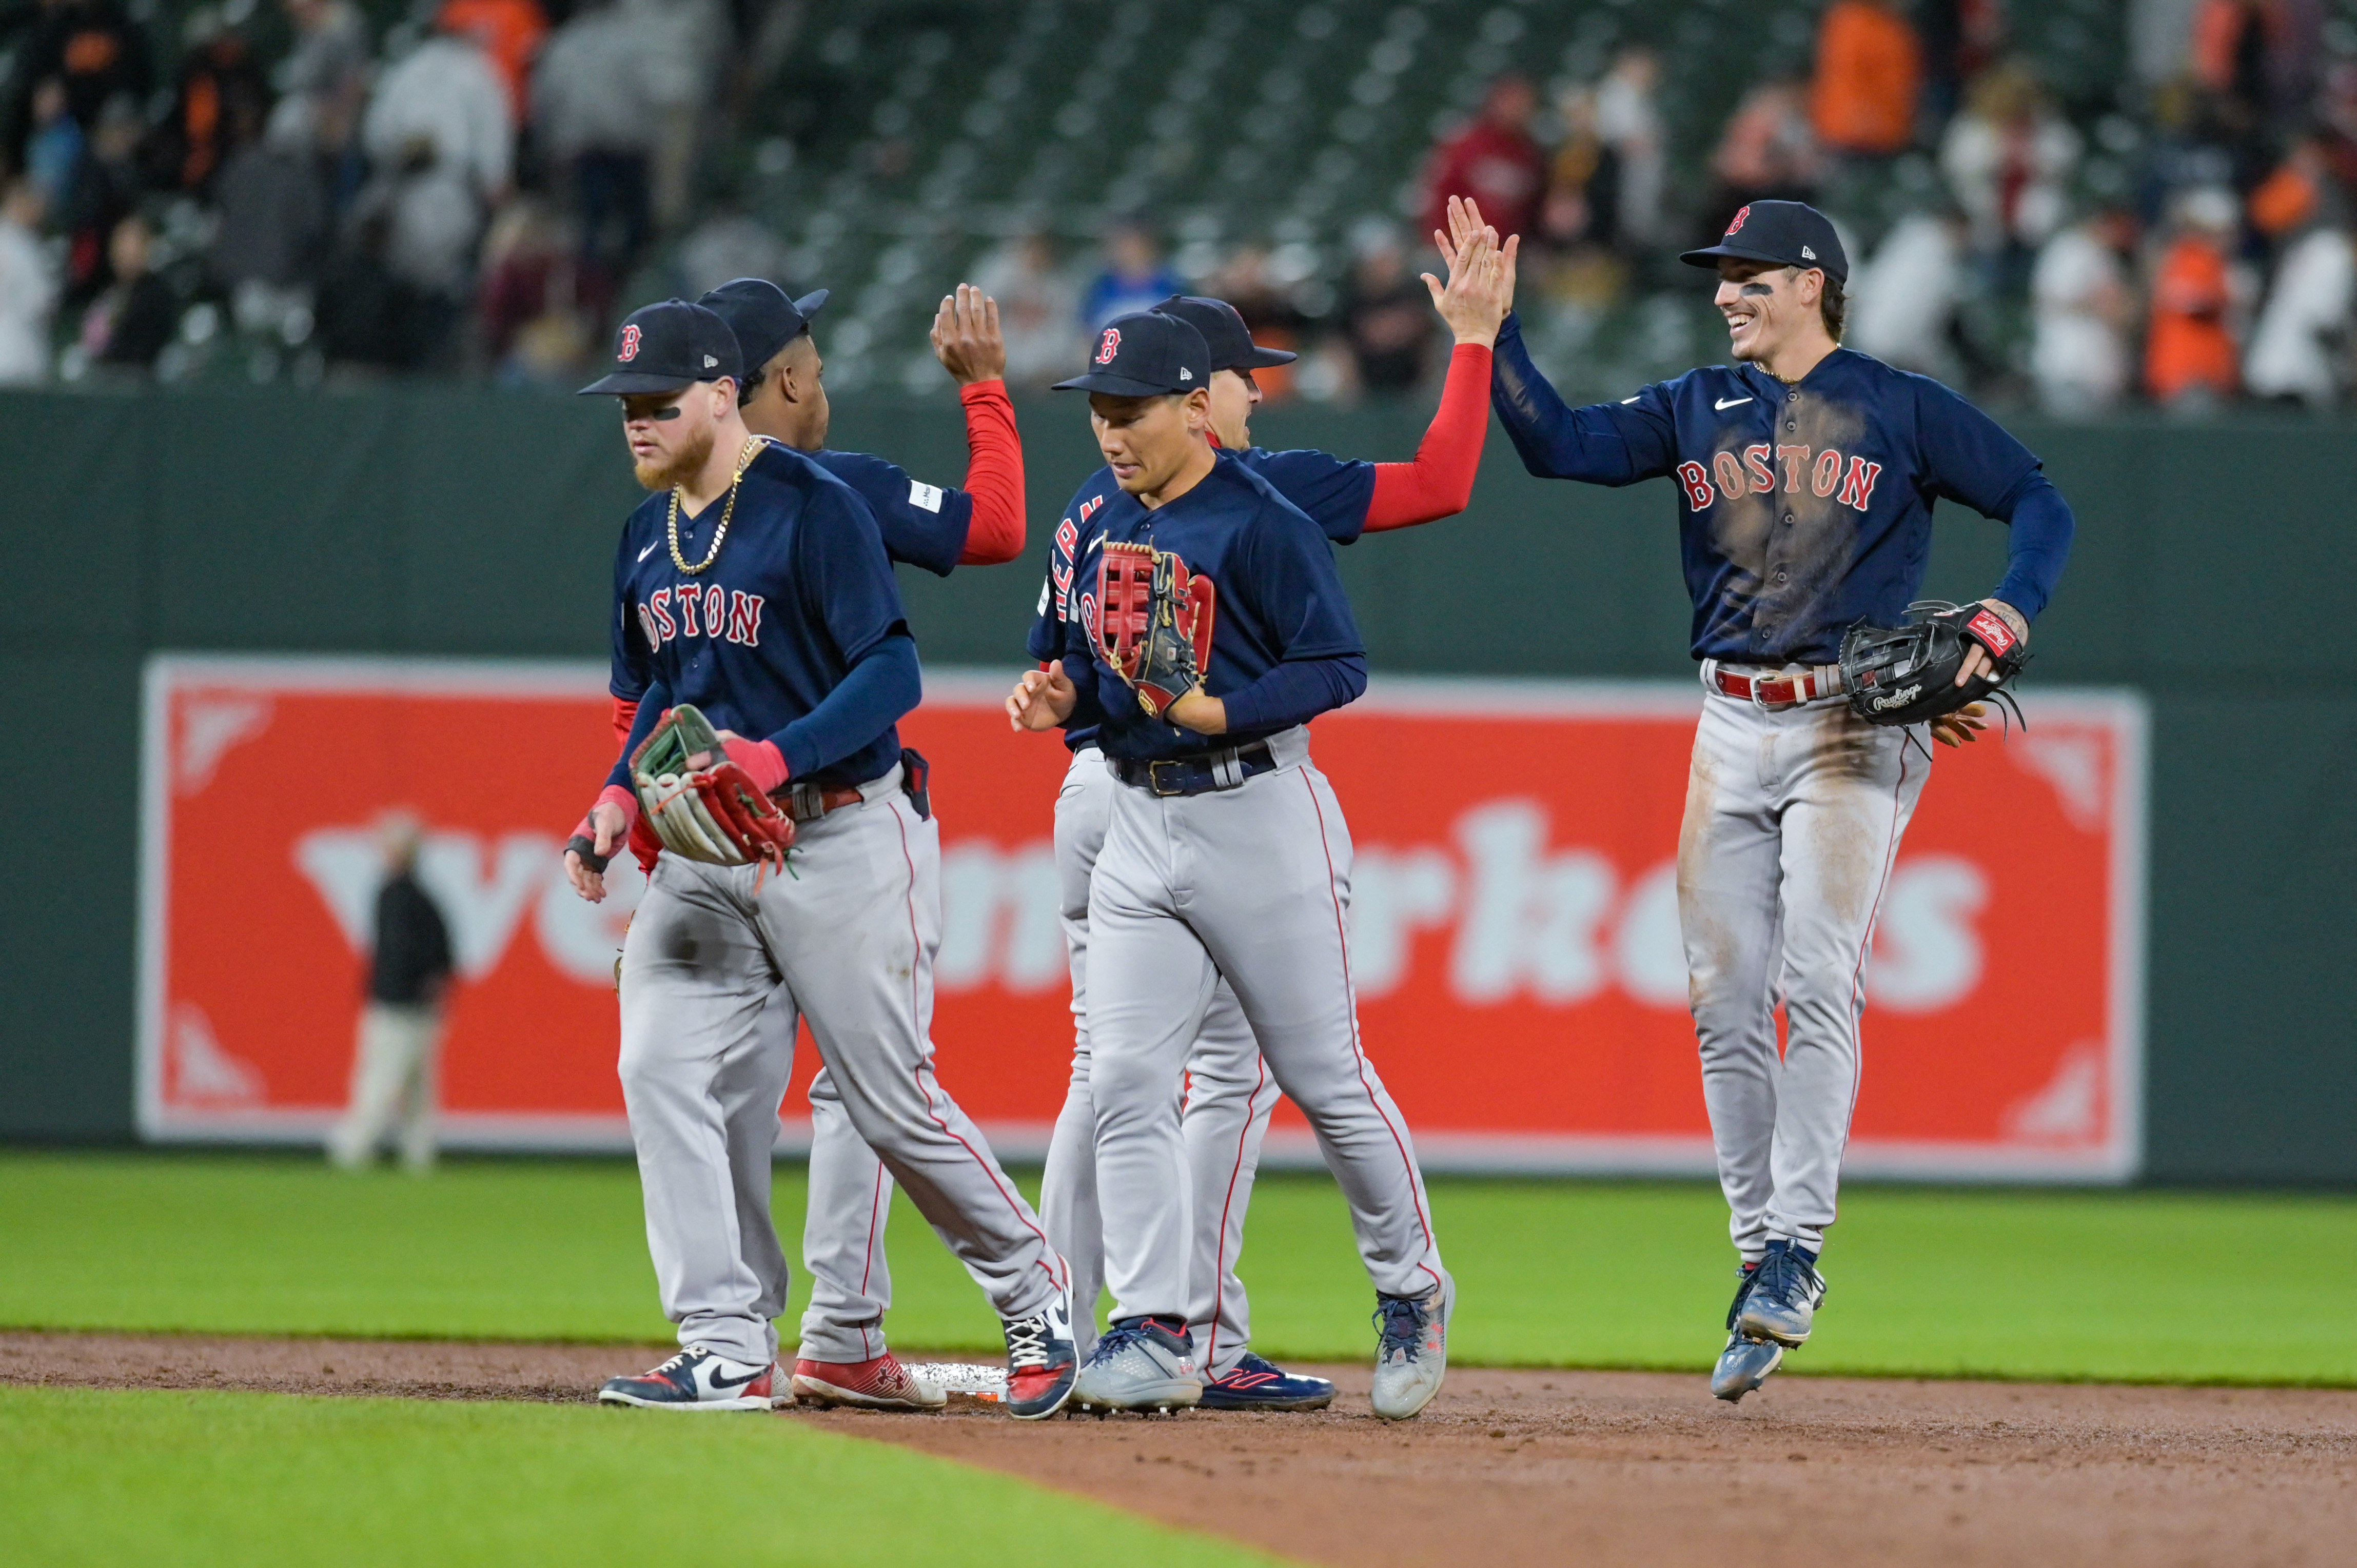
(1907, 674)
(1154, 622)
(700, 804)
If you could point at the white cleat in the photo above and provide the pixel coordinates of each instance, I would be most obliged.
(1411, 1356)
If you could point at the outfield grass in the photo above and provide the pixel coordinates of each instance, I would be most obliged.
(249, 1480)
(2138, 1286)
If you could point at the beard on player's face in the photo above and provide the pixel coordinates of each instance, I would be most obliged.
(681, 459)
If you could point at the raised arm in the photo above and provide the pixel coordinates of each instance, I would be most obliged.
(970, 346)
(1473, 301)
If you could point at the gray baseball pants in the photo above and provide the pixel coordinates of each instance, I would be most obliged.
(1252, 884)
(1231, 1094)
(849, 933)
(1793, 821)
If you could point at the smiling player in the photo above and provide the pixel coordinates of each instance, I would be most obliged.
(1806, 476)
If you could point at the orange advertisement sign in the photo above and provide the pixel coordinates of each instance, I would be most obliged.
(1513, 917)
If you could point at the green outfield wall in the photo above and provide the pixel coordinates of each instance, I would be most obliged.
(2213, 571)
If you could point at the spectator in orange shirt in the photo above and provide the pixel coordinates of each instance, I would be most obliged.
(510, 32)
(2189, 352)
(1869, 71)
(1494, 161)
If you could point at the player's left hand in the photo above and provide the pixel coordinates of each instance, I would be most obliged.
(966, 339)
(1199, 711)
(1976, 658)
(1480, 290)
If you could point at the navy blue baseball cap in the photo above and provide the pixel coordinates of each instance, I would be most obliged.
(1787, 233)
(764, 317)
(1144, 355)
(1224, 331)
(665, 346)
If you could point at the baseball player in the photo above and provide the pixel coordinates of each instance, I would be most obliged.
(1224, 855)
(1806, 475)
(843, 1359)
(1231, 1093)
(754, 585)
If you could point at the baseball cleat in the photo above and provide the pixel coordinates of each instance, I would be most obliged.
(1745, 1364)
(1412, 1355)
(695, 1379)
(1254, 1384)
(1140, 1364)
(1040, 1361)
(1783, 1297)
(881, 1383)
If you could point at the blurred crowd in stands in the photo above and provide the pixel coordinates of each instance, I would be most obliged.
(475, 190)
(2195, 254)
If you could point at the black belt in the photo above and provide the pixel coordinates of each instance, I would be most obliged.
(1196, 774)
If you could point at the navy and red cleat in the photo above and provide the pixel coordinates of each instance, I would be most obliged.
(1042, 1360)
(695, 1379)
(1254, 1384)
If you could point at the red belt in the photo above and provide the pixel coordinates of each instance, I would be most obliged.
(1780, 690)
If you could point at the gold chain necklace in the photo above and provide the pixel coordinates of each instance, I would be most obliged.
(744, 456)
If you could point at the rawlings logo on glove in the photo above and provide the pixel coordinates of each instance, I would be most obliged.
(1154, 622)
(1907, 674)
(701, 802)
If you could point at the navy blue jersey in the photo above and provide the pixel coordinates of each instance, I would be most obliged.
(1802, 508)
(1279, 598)
(801, 591)
(922, 524)
(1334, 492)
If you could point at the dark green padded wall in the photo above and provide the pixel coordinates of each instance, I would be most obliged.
(2210, 570)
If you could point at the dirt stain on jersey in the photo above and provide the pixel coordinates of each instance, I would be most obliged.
(1786, 570)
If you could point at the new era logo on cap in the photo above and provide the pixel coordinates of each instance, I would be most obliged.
(709, 361)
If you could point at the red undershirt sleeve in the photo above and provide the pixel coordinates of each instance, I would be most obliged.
(626, 713)
(1439, 483)
(994, 475)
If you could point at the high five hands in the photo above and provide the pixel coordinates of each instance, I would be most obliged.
(1481, 286)
(966, 339)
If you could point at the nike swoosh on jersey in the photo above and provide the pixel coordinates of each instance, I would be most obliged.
(649, 550)
(1723, 404)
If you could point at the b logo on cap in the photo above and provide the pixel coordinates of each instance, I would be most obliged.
(1110, 346)
(1740, 217)
(630, 343)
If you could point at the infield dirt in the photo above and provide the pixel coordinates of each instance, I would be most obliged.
(1509, 1467)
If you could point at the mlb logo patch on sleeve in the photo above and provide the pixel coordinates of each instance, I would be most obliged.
(928, 496)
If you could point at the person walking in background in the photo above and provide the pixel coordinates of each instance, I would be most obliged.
(1494, 161)
(1869, 71)
(2189, 350)
(401, 1025)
